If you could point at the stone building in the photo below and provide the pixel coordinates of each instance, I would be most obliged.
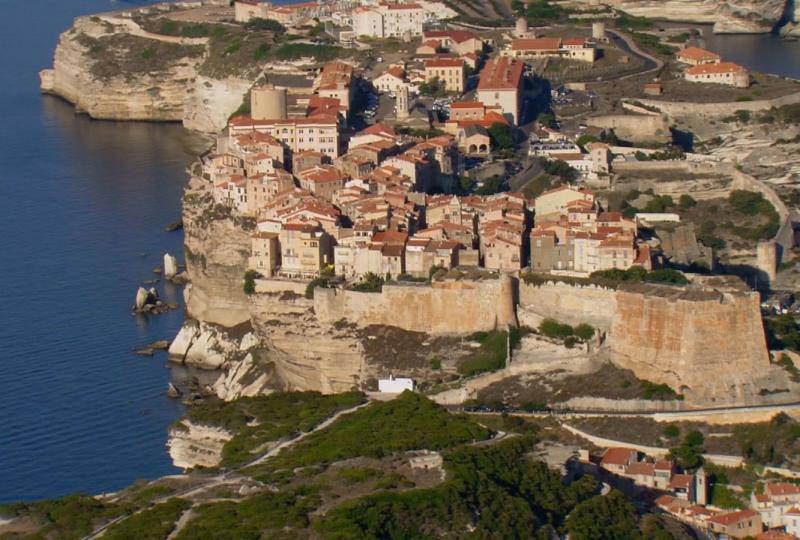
(501, 85)
(449, 71)
(726, 73)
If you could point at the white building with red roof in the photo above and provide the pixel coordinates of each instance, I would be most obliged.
(389, 20)
(501, 85)
(551, 47)
(695, 56)
(726, 73)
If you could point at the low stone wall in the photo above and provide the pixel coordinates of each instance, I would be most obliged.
(718, 110)
(566, 303)
(619, 405)
(448, 307)
(635, 127)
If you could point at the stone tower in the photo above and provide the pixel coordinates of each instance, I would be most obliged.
(521, 27)
(767, 263)
(402, 102)
(599, 30)
(700, 487)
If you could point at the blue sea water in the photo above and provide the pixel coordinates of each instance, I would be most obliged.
(79, 202)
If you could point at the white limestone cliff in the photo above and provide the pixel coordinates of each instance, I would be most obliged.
(192, 445)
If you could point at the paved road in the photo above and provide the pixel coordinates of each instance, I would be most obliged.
(625, 43)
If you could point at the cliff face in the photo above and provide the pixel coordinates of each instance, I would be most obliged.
(216, 248)
(111, 69)
(727, 16)
(707, 344)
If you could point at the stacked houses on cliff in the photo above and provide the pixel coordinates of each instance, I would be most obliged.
(378, 202)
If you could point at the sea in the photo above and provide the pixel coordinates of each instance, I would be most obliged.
(83, 205)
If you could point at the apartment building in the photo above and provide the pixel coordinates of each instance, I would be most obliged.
(501, 85)
(449, 71)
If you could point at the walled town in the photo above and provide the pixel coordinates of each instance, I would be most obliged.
(559, 229)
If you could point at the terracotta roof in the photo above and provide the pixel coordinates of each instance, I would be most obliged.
(403, 6)
(640, 468)
(466, 105)
(681, 481)
(722, 67)
(697, 54)
(444, 63)
(618, 456)
(459, 36)
(776, 489)
(733, 517)
(573, 42)
(501, 74)
(536, 44)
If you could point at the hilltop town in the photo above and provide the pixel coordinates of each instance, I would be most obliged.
(430, 240)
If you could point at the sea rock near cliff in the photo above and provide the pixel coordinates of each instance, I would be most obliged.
(170, 266)
(206, 345)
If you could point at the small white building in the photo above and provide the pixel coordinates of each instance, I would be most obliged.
(394, 385)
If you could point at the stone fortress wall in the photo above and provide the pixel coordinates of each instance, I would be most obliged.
(448, 307)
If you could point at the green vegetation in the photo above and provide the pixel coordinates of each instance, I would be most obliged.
(313, 284)
(610, 517)
(653, 44)
(358, 475)
(554, 329)
(266, 24)
(68, 518)
(546, 119)
(629, 22)
(433, 88)
(250, 278)
(502, 136)
(491, 186)
(686, 202)
(537, 9)
(707, 237)
(559, 168)
(320, 53)
(408, 422)
(753, 204)
(786, 363)
(689, 454)
(659, 203)
(152, 524)
(669, 152)
(492, 491)
(655, 391)
(636, 274)
(369, 283)
(492, 353)
(436, 364)
(782, 332)
(724, 497)
(671, 431)
(585, 139)
(262, 516)
(769, 443)
(257, 420)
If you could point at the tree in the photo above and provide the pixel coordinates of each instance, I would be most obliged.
(250, 281)
(609, 517)
(546, 119)
(502, 137)
(671, 431)
(686, 201)
(269, 25)
(585, 139)
(667, 275)
(584, 332)
(433, 88)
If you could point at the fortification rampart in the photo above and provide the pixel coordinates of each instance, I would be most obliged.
(443, 308)
(702, 342)
(635, 127)
(717, 110)
(567, 303)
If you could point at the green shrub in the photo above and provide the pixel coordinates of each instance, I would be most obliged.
(686, 201)
(313, 284)
(554, 329)
(666, 275)
(436, 364)
(584, 332)
(358, 475)
(490, 357)
(250, 278)
(671, 431)
(154, 523)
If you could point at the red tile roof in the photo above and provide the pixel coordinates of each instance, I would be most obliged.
(501, 74)
(722, 67)
(444, 63)
(536, 44)
(733, 517)
(618, 456)
(697, 54)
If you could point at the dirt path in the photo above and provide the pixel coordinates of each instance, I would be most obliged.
(223, 478)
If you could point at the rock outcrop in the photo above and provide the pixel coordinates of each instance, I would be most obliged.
(193, 445)
(727, 16)
(216, 250)
(170, 266)
(208, 346)
(112, 69)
